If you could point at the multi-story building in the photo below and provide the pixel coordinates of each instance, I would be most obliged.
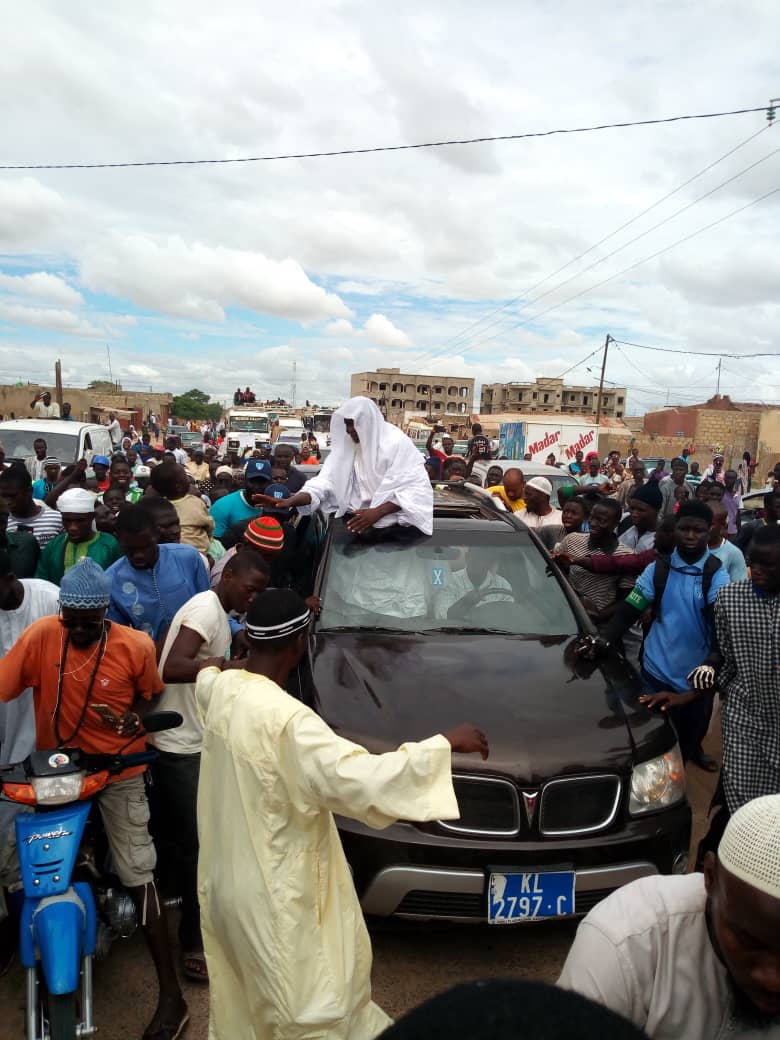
(398, 394)
(550, 396)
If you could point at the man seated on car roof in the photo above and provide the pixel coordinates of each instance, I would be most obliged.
(374, 475)
(695, 956)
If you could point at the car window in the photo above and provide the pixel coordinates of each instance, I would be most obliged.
(451, 581)
(18, 444)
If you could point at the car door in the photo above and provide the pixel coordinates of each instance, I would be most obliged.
(97, 441)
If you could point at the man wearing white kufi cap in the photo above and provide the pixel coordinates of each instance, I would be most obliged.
(78, 540)
(695, 957)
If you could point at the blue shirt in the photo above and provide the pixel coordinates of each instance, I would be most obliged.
(231, 509)
(148, 599)
(679, 639)
(732, 559)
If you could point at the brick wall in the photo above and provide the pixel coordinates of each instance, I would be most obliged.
(730, 432)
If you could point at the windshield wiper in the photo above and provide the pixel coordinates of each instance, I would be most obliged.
(367, 628)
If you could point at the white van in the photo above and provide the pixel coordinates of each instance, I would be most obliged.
(66, 441)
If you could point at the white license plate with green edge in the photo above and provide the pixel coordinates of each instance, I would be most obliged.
(517, 897)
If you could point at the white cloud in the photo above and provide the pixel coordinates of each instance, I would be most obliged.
(54, 319)
(42, 286)
(199, 281)
(143, 371)
(340, 327)
(382, 331)
(27, 209)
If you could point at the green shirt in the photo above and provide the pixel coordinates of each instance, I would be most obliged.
(60, 554)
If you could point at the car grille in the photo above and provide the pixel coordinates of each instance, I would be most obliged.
(421, 903)
(579, 805)
(488, 806)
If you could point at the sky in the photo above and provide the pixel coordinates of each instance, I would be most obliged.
(437, 261)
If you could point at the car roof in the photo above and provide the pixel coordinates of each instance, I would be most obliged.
(46, 424)
(535, 469)
(461, 501)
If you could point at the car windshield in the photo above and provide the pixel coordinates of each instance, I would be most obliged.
(18, 444)
(247, 425)
(471, 580)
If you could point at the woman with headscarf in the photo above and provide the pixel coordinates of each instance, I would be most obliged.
(374, 475)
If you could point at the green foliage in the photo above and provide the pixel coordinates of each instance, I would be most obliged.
(102, 386)
(195, 405)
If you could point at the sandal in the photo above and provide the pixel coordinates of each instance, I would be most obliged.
(194, 966)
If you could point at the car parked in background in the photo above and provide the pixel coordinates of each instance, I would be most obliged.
(558, 477)
(66, 441)
(584, 789)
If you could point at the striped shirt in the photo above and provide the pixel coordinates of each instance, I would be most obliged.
(601, 589)
(44, 526)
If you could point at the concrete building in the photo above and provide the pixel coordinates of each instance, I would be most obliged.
(720, 424)
(550, 396)
(398, 394)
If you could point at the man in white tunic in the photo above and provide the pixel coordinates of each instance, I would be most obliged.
(374, 474)
(288, 952)
(695, 956)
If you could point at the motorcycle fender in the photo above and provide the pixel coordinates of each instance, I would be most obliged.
(58, 933)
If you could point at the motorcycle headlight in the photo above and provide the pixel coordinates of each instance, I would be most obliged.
(657, 783)
(57, 790)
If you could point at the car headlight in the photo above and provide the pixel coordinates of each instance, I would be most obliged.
(57, 790)
(657, 783)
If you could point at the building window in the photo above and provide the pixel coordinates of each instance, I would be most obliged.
(440, 390)
(619, 415)
(620, 400)
(534, 395)
(584, 398)
(464, 391)
(572, 397)
(398, 388)
(452, 391)
(383, 386)
(438, 406)
(423, 389)
(546, 398)
(396, 403)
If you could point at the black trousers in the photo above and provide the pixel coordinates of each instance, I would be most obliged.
(176, 781)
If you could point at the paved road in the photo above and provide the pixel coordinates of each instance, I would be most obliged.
(411, 962)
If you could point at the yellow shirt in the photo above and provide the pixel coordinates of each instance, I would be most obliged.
(515, 504)
(197, 525)
(288, 951)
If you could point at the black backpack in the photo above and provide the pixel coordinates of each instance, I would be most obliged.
(663, 566)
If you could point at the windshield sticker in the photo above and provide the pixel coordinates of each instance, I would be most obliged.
(437, 577)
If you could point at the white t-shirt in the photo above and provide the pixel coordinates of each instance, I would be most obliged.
(205, 615)
(645, 952)
(17, 717)
(115, 432)
(535, 521)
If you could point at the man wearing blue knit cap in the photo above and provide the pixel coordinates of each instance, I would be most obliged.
(92, 682)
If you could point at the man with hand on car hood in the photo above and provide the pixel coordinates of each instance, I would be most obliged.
(374, 475)
(287, 948)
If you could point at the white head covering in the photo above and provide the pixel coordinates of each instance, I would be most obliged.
(541, 484)
(750, 846)
(76, 500)
(391, 467)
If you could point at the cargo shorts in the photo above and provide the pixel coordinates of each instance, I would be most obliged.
(125, 811)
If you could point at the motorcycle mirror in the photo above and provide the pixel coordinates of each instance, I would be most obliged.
(156, 721)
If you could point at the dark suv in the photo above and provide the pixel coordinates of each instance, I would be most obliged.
(584, 789)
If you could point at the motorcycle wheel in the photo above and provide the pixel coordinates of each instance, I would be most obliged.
(62, 1016)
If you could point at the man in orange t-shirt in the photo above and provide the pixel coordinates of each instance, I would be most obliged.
(308, 458)
(73, 663)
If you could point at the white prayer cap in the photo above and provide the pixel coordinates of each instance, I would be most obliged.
(541, 484)
(750, 846)
(76, 500)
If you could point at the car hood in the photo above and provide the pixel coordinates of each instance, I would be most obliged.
(544, 712)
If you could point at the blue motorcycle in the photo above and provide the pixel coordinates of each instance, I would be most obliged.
(61, 926)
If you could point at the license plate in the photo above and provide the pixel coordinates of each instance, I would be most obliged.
(529, 897)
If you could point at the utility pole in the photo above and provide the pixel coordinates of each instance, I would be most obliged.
(601, 381)
(58, 382)
(295, 370)
(717, 388)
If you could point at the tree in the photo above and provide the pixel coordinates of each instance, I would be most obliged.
(102, 386)
(195, 405)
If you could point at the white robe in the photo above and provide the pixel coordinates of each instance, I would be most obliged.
(288, 952)
(388, 468)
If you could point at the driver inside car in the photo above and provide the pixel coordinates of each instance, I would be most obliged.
(468, 581)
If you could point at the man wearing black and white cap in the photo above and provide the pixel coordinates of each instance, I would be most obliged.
(694, 957)
(538, 512)
(287, 948)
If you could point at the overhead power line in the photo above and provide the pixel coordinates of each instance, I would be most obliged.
(532, 288)
(385, 148)
(608, 256)
(698, 353)
(638, 263)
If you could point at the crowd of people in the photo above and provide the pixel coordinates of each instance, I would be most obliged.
(186, 581)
